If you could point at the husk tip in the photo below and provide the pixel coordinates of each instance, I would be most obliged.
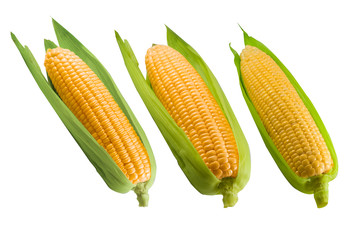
(54, 22)
(242, 29)
(168, 29)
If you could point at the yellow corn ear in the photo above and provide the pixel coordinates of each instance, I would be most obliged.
(90, 101)
(190, 103)
(284, 115)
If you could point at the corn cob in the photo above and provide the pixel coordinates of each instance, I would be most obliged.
(190, 103)
(87, 97)
(284, 115)
(191, 111)
(288, 122)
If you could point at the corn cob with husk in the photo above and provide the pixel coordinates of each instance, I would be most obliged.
(288, 122)
(191, 111)
(86, 99)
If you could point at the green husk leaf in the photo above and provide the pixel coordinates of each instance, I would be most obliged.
(236, 184)
(49, 44)
(317, 184)
(67, 40)
(97, 155)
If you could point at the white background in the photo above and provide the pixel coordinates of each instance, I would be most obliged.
(49, 190)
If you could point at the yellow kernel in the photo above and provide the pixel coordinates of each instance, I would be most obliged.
(210, 153)
(214, 165)
(225, 166)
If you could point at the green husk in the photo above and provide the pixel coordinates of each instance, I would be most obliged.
(101, 160)
(317, 185)
(188, 158)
